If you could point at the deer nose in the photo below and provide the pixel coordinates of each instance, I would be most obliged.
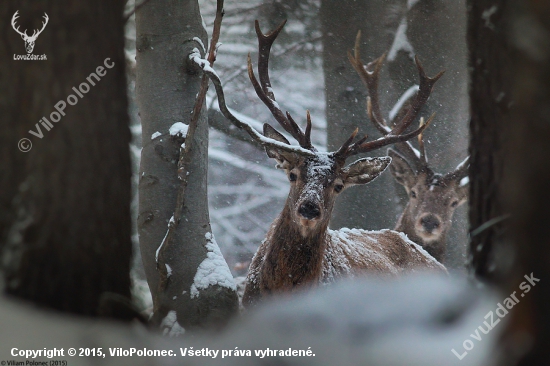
(309, 210)
(430, 222)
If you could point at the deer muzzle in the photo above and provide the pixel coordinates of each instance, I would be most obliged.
(309, 210)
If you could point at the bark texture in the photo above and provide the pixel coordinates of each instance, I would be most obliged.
(166, 88)
(527, 169)
(68, 244)
(490, 99)
(371, 207)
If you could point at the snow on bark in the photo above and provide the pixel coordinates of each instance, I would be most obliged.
(155, 135)
(213, 270)
(178, 129)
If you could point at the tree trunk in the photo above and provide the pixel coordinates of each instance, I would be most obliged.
(166, 88)
(490, 100)
(371, 207)
(69, 244)
(527, 170)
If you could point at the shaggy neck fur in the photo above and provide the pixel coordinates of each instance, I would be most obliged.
(436, 248)
(292, 260)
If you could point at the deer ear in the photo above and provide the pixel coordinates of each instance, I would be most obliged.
(401, 170)
(284, 159)
(364, 170)
(462, 190)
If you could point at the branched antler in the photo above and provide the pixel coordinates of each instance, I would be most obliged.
(396, 134)
(24, 34)
(267, 96)
(265, 91)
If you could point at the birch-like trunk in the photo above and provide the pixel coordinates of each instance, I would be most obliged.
(166, 88)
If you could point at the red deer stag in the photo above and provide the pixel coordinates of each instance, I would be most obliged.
(299, 249)
(433, 197)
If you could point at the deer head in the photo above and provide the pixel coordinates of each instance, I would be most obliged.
(316, 181)
(29, 40)
(433, 197)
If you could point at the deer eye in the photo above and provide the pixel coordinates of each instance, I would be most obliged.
(292, 177)
(413, 194)
(454, 204)
(338, 188)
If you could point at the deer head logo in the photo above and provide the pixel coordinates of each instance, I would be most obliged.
(29, 41)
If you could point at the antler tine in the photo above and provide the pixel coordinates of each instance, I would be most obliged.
(308, 129)
(424, 91)
(343, 152)
(258, 137)
(265, 41)
(392, 139)
(421, 147)
(370, 79)
(13, 20)
(263, 88)
(44, 23)
(460, 172)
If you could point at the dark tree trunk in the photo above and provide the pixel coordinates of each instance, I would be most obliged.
(490, 100)
(69, 240)
(527, 169)
(371, 207)
(166, 88)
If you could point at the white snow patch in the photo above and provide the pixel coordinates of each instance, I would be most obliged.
(464, 181)
(213, 270)
(168, 270)
(155, 135)
(199, 41)
(401, 42)
(402, 100)
(171, 326)
(179, 128)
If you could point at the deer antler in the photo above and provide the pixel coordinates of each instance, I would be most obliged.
(265, 92)
(460, 172)
(370, 77)
(13, 19)
(36, 33)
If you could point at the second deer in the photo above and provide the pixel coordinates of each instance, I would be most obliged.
(299, 249)
(433, 197)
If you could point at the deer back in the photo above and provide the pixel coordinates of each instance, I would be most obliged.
(353, 252)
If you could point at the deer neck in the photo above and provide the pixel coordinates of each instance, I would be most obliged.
(292, 259)
(436, 248)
